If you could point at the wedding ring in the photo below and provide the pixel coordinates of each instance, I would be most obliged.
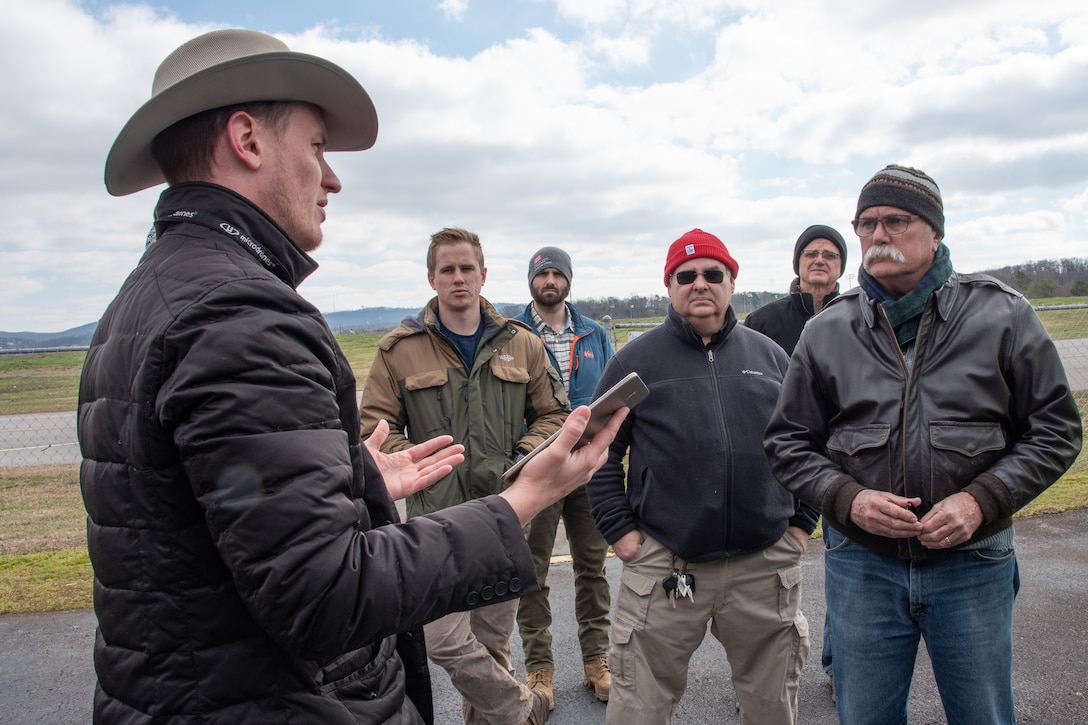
(947, 542)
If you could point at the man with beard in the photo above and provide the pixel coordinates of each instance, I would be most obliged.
(579, 349)
(921, 410)
(705, 532)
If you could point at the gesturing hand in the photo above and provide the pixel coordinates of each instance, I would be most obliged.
(415, 468)
(559, 469)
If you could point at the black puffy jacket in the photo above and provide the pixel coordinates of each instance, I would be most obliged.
(244, 567)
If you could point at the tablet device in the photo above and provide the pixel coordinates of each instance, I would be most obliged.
(627, 392)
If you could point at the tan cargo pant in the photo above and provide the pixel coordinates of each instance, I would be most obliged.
(474, 648)
(753, 606)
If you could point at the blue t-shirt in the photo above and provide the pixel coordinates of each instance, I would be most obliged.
(465, 344)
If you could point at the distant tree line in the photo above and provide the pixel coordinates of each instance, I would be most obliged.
(1034, 280)
(637, 307)
(1047, 278)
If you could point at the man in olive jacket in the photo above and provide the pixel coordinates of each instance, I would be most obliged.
(461, 369)
(248, 561)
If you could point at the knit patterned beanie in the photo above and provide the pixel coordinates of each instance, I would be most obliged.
(698, 243)
(907, 189)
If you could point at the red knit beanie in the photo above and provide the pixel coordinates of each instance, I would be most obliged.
(698, 243)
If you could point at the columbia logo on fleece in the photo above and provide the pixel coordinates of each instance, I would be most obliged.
(750, 372)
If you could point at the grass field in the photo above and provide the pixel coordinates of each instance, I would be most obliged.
(43, 554)
(47, 383)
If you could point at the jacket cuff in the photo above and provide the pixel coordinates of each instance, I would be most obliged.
(993, 497)
(838, 499)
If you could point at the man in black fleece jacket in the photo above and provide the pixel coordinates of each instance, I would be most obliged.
(699, 507)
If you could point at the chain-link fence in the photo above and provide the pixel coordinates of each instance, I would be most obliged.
(38, 391)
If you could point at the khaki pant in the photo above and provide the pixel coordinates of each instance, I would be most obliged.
(474, 648)
(753, 606)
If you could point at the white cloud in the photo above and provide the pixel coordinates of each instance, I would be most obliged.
(749, 119)
(453, 9)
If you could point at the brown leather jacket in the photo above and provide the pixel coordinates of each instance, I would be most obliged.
(984, 407)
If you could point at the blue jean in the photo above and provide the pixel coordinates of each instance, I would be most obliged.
(825, 651)
(961, 603)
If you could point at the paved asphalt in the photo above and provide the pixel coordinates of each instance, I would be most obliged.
(46, 674)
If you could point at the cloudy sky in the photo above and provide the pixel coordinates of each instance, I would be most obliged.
(606, 127)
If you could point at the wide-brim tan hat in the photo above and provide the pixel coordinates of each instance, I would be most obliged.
(228, 67)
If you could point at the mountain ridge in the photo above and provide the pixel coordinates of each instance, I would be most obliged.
(364, 319)
(1037, 280)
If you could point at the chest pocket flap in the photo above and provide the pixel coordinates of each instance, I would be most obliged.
(969, 439)
(509, 373)
(853, 439)
(429, 379)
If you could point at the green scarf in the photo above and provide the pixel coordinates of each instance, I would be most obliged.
(905, 313)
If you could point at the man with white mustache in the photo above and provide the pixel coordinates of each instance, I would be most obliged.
(920, 411)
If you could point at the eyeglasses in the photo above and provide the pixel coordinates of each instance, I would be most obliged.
(688, 276)
(893, 224)
(811, 254)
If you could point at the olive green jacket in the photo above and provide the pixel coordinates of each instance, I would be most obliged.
(511, 398)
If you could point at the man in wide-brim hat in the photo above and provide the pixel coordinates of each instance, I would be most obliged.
(244, 571)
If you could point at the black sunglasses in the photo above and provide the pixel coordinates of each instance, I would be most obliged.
(688, 276)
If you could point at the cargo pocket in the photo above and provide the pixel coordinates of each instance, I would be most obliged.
(801, 645)
(632, 607)
(789, 593)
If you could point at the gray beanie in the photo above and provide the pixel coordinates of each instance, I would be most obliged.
(818, 231)
(905, 188)
(550, 257)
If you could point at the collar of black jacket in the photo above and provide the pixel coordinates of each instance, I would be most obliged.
(680, 327)
(232, 215)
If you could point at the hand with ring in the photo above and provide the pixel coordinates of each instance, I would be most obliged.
(958, 514)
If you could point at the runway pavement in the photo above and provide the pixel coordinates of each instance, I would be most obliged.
(46, 674)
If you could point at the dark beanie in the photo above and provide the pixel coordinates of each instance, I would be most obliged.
(553, 257)
(905, 188)
(818, 231)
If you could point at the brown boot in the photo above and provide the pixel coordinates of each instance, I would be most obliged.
(541, 681)
(539, 714)
(598, 677)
